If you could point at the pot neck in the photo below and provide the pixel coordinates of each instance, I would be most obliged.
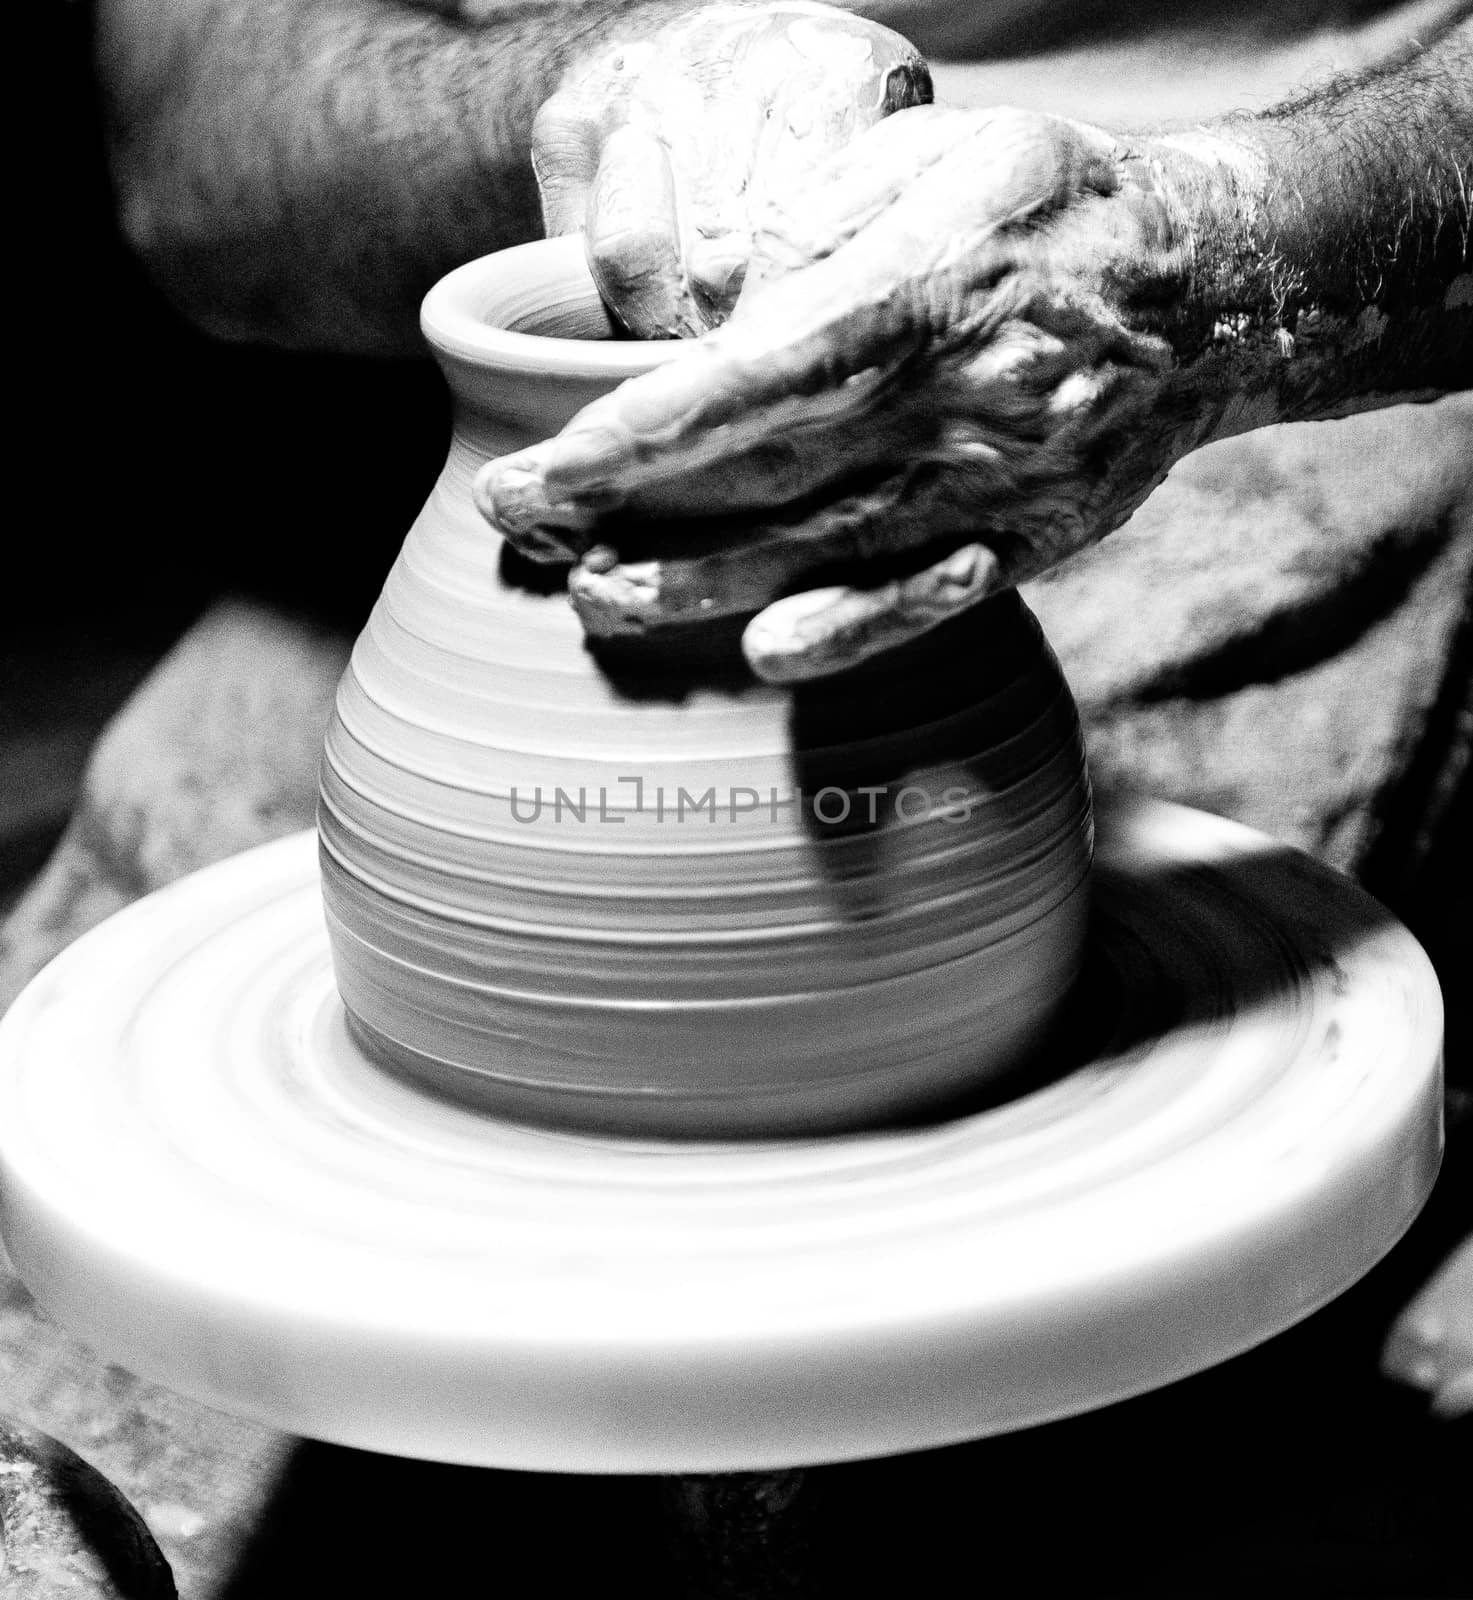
(525, 343)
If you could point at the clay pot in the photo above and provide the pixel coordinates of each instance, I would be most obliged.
(648, 894)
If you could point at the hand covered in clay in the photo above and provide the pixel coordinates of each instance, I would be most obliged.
(659, 147)
(945, 373)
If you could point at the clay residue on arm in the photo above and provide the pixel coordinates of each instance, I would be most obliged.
(1329, 242)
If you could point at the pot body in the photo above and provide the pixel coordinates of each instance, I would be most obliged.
(659, 897)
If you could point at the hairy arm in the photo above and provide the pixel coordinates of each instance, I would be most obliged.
(301, 171)
(1329, 243)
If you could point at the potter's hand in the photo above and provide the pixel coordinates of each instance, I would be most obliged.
(942, 367)
(659, 146)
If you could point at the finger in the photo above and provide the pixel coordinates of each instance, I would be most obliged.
(1003, 169)
(724, 570)
(823, 631)
(677, 440)
(929, 186)
(513, 500)
(565, 148)
(634, 245)
(518, 494)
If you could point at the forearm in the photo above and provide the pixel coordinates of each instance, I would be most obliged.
(1329, 248)
(301, 171)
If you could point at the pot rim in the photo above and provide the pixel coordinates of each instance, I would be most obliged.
(465, 315)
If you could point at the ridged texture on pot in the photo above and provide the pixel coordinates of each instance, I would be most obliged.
(591, 894)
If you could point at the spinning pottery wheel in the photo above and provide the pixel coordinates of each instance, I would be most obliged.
(396, 1151)
(211, 1182)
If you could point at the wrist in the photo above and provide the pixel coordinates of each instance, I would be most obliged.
(1325, 243)
(1290, 305)
(1212, 294)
